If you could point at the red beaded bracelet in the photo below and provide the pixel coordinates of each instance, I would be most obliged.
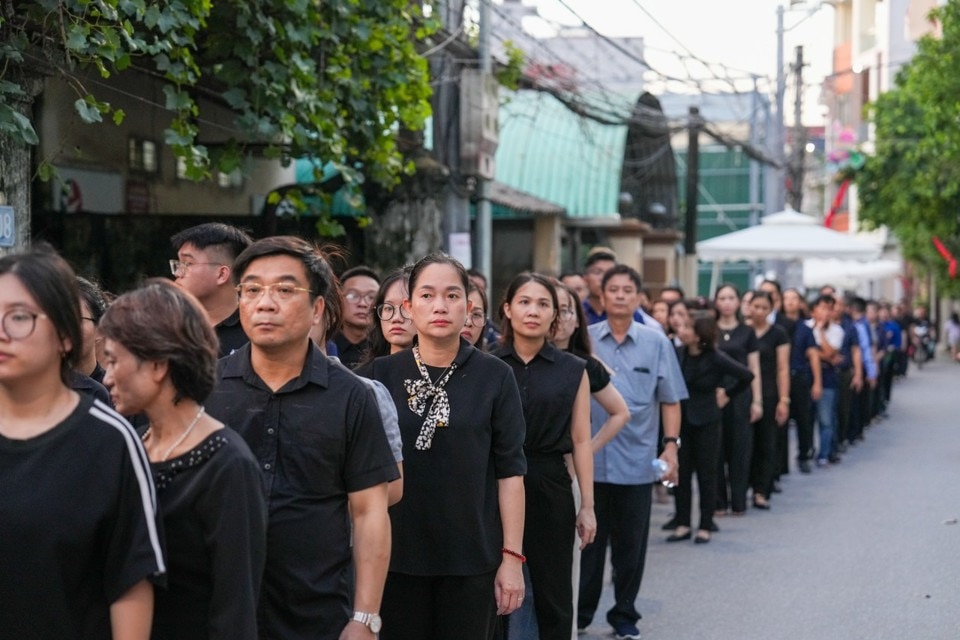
(519, 556)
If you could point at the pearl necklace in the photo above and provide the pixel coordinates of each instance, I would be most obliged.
(180, 440)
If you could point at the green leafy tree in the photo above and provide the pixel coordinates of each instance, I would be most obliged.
(330, 79)
(911, 183)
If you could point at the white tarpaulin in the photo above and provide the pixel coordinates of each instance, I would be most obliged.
(787, 235)
(847, 274)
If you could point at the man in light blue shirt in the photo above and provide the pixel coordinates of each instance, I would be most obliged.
(647, 374)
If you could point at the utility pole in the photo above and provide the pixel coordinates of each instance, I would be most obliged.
(755, 105)
(693, 183)
(776, 176)
(484, 220)
(798, 157)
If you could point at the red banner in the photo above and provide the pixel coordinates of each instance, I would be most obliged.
(837, 201)
(946, 255)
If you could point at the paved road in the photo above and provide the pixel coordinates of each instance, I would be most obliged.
(869, 548)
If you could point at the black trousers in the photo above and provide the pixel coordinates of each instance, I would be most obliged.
(801, 412)
(548, 533)
(438, 607)
(698, 454)
(733, 467)
(844, 407)
(623, 520)
(764, 462)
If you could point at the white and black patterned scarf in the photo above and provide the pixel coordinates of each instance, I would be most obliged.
(421, 392)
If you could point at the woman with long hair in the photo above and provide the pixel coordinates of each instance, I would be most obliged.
(556, 409)
(774, 350)
(738, 341)
(457, 546)
(161, 359)
(712, 378)
(78, 514)
(393, 330)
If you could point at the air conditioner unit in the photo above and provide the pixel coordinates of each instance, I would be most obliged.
(479, 126)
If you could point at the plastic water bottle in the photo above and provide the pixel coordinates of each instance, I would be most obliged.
(660, 469)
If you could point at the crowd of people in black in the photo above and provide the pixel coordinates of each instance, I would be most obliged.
(262, 449)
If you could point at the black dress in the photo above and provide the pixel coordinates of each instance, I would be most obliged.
(214, 517)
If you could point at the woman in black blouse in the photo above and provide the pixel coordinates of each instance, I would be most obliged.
(571, 336)
(774, 352)
(555, 392)
(705, 370)
(738, 341)
(161, 358)
(457, 535)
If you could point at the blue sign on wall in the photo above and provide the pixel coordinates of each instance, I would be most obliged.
(8, 227)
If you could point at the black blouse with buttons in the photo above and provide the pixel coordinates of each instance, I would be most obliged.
(548, 386)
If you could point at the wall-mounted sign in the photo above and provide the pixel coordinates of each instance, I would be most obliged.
(8, 227)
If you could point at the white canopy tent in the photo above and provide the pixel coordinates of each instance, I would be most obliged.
(787, 235)
(847, 274)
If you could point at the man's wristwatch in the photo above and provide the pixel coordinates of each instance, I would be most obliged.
(371, 621)
(674, 440)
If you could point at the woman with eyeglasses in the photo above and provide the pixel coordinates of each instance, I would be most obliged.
(80, 542)
(393, 331)
(476, 322)
(555, 392)
(161, 359)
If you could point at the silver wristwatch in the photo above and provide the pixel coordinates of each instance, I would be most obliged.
(371, 621)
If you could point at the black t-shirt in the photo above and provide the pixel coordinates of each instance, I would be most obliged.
(737, 342)
(78, 525)
(316, 439)
(215, 525)
(769, 341)
(230, 333)
(448, 522)
(548, 387)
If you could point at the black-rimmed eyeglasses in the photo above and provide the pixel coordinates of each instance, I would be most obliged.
(387, 311)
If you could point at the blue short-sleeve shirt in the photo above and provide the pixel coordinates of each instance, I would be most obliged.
(646, 373)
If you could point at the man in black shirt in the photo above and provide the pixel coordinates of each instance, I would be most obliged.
(205, 255)
(360, 285)
(318, 438)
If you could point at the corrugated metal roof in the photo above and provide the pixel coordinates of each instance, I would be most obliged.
(550, 152)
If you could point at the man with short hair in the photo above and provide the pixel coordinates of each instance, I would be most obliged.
(829, 338)
(577, 283)
(320, 444)
(672, 294)
(599, 261)
(360, 286)
(204, 267)
(647, 375)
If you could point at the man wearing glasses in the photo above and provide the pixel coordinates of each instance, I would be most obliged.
(359, 286)
(205, 255)
(320, 444)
